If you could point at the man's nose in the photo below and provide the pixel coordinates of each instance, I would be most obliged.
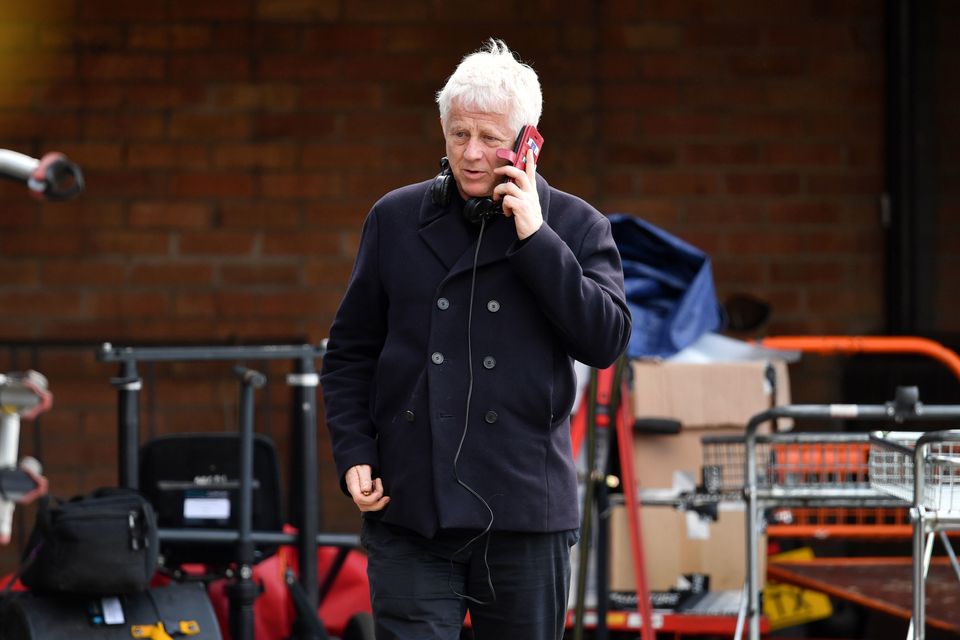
(474, 149)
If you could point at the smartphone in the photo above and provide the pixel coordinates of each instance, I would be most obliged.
(528, 138)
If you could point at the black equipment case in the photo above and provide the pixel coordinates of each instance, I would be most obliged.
(193, 481)
(183, 609)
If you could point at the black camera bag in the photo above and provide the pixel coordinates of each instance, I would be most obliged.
(104, 543)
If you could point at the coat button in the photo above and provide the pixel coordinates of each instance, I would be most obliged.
(443, 304)
(489, 362)
(490, 417)
(436, 357)
(409, 416)
(493, 306)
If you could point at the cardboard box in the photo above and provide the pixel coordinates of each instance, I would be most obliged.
(707, 399)
(706, 395)
(669, 552)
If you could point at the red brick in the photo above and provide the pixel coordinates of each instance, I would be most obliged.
(195, 304)
(720, 153)
(806, 272)
(41, 243)
(356, 38)
(27, 125)
(39, 11)
(733, 271)
(680, 65)
(18, 274)
(766, 125)
(859, 184)
(333, 155)
(40, 304)
(157, 155)
(97, 36)
(18, 98)
(259, 214)
(21, 213)
(353, 96)
(809, 213)
(108, 10)
(164, 95)
(681, 124)
(765, 242)
(641, 36)
(300, 185)
(17, 37)
(392, 68)
(327, 272)
(275, 305)
(251, 155)
(366, 126)
(268, 96)
(160, 214)
(718, 35)
(127, 305)
(296, 66)
(640, 154)
(340, 213)
(214, 185)
(368, 184)
(720, 213)
(303, 243)
(86, 273)
(177, 37)
(219, 67)
(730, 96)
(122, 66)
(801, 154)
(217, 243)
(639, 96)
(209, 126)
(210, 10)
(762, 183)
(118, 183)
(82, 213)
(680, 183)
(93, 155)
(129, 243)
(122, 126)
(260, 274)
(295, 125)
(799, 34)
(171, 274)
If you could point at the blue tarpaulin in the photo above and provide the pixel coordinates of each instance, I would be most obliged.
(669, 287)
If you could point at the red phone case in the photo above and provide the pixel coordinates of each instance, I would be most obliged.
(529, 138)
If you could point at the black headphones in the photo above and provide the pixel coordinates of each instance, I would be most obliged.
(475, 210)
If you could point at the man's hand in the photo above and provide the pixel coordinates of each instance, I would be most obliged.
(520, 199)
(367, 492)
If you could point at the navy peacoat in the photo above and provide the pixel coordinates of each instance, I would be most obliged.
(404, 346)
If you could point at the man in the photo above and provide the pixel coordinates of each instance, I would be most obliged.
(448, 379)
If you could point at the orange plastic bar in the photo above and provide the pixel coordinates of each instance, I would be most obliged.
(844, 531)
(828, 345)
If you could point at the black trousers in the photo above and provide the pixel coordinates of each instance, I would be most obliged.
(421, 588)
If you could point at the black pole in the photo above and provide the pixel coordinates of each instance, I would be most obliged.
(128, 386)
(243, 591)
(304, 501)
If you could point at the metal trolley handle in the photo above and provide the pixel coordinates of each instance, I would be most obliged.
(52, 177)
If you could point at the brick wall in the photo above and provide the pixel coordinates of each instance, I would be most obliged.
(232, 149)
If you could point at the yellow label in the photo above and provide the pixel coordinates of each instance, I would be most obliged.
(786, 605)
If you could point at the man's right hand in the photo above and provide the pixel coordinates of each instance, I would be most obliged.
(367, 492)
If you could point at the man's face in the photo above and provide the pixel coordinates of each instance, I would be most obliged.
(472, 139)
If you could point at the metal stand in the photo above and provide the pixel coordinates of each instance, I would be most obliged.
(303, 463)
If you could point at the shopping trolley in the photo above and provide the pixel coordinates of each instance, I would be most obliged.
(924, 470)
(806, 469)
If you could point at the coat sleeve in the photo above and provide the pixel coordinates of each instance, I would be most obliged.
(350, 362)
(579, 288)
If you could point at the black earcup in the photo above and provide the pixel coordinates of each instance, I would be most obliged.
(442, 184)
(476, 210)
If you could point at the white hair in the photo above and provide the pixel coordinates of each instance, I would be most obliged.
(493, 80)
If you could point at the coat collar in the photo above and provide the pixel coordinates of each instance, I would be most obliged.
(453, 243)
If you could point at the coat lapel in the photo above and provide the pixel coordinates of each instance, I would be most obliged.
(451, 241)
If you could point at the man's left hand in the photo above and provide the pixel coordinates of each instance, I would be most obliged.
(520, 199)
